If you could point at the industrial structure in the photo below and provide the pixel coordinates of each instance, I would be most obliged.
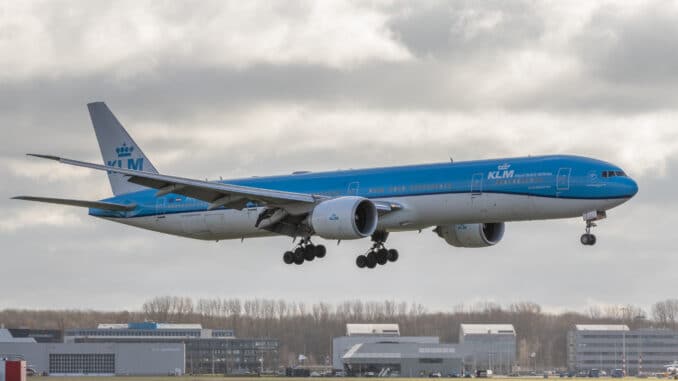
(68, 359)
(609, 347)
(379, 349)
(158, 348)
(368, 334)
(403, 359)
(489, 346)
(208, 351)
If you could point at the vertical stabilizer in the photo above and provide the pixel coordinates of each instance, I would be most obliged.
(118, 149)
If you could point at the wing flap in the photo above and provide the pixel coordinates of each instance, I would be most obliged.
(81, 203)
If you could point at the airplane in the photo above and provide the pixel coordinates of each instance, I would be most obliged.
(467, 203)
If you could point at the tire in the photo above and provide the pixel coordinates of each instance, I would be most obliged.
(371, 260)
(298, 256)
(592, 240)
(320, 251)
(288, 257)
(361, 261)
(584, 239)
(309, 253)
(392, 255)
(382, 256)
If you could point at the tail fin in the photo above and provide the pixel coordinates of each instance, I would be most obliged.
(117, 148)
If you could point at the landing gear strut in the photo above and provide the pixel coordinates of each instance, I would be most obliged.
(305, 251)
(377, 254)
(589, 239)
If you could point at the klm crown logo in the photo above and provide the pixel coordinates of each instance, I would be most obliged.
(124, 150)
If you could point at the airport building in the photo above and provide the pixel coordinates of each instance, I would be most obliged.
(379, 349)
(32, 335)
(62, 359)
(489, 346)
(371, 334)
(608, 347)
(208, 351)
(403, 359)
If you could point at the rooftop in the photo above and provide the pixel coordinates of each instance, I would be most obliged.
(601, 327)
(372, 330)
(487, 329)
(149, 325)
(6, 337)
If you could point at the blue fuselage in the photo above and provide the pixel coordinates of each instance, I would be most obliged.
(552, 177)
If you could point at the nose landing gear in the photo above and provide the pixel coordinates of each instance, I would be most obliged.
(305, 251)
(589, 239)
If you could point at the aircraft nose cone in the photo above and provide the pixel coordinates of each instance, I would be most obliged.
(632, 187)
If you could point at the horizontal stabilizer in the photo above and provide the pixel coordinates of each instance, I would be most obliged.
(85, 204)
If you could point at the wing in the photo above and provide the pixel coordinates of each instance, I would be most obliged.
(217, 194)
(82, 203)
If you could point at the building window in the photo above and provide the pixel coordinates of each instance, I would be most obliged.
(430, 361)
(82, 363)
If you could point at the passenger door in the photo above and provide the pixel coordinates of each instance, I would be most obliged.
(160, 208)
(563, 180)
(353, 188)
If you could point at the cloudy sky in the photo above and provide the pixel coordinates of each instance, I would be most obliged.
(233, 89)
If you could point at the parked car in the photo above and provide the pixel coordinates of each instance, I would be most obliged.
(617, 373)
(435, 375)
(594, 373)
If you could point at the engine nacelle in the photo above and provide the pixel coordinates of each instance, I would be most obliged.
(349, 217)
(472, 235)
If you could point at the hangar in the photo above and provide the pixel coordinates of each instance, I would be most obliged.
(371, 333)
(151, 359)
(403, 359)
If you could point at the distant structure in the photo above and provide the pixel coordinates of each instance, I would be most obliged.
(370, 334)
(609, 347)
(141, 349)
(404, 359)
(372, 330)
(34, 335)
(489, 346)
(379, 349)
(208, 351)
(63, 359)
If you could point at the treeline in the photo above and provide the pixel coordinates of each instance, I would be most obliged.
(308, 328)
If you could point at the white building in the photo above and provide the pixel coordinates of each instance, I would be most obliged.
(488, 346)
(608, 347)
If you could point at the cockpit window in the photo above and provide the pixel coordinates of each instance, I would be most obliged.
(613, 174)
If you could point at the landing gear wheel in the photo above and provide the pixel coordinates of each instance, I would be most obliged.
(288, 257)
(371, 260)
(588, 239)
(320, 251)
(298, 256)
(361, 261)
(309, 253)
(381, 256)
(392, 255)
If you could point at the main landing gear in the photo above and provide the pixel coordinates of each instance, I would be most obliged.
(378, 254)
(305, 251)
(589, 239)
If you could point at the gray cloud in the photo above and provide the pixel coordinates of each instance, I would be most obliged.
(224, 89)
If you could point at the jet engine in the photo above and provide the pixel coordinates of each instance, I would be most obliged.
(472, 235)
(349, 217)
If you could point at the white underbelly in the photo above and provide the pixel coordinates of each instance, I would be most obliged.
(418, 212)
